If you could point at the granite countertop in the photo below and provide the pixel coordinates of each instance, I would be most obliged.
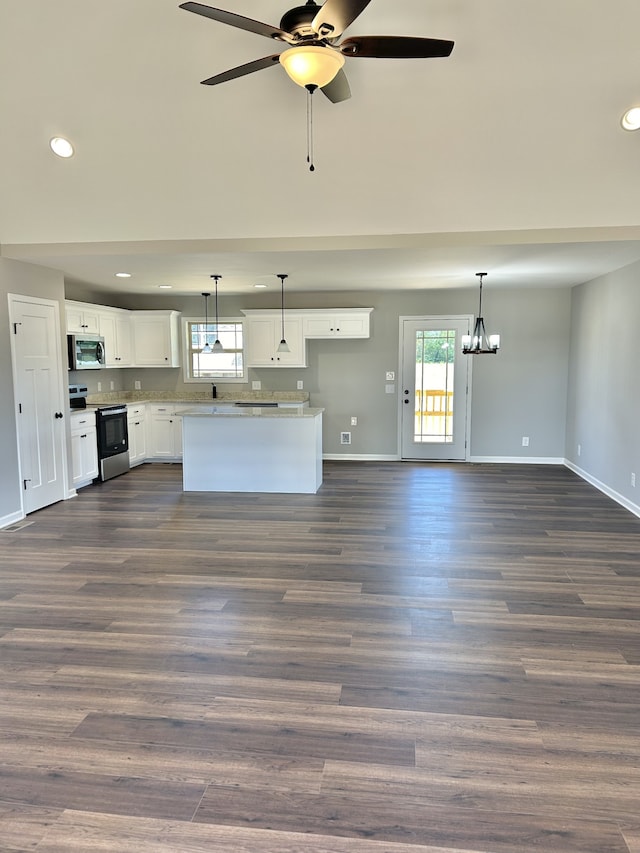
(133, 397)
(249, 412)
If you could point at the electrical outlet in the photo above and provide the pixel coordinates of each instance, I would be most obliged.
(299, 384)
(389, 389)
(525, 441)
(99, 386)
(256, 385)
(354, 421)
(633, 480)
(137, 384)
(579, 449)
(112, 385)
(345, 438)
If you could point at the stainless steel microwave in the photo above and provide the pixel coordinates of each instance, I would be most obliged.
(86, 352)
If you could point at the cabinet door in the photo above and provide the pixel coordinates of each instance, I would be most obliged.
(82, 318)
(116, 331)
(264, 335)
(165, 435)
(297, 356)
(354, 325)
(137, 438)
(84, 454)
(261, 341)
(155, 339)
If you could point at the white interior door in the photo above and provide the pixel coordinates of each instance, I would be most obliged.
(37, 371)
(434, 388)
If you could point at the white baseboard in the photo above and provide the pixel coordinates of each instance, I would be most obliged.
(519, 460)
(361, 457)
(602, 487)
(12, 518)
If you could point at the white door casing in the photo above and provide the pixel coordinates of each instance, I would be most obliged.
(39, 397)
(434, 398)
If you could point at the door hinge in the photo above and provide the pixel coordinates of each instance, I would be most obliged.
(19, 408)
(24, 483)
(15, 328)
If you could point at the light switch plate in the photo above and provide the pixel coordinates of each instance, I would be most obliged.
(390, 376)
(389, 389)
(300, 384)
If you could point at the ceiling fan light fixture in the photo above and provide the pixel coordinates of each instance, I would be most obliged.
(311, 65)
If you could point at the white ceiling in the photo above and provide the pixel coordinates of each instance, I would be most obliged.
(507, 157)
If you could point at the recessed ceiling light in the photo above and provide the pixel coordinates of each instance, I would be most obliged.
(259, 285)
(631, 119)
(165, 286)
(61, 146)
(123, 275)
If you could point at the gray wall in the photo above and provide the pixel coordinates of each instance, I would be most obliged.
(26, 280)
(520, 391)
(603, 415)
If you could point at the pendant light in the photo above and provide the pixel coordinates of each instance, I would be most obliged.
(283, 346)
(207, 346)
(480, 343)
(217, 346)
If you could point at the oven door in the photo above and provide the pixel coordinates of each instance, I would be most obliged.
(113, 437)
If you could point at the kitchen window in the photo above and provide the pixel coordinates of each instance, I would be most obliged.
(228, 365)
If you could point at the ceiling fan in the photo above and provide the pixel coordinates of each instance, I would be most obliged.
(316, 55)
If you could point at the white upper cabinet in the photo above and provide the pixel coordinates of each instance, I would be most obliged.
(156, 338)
(82, 318)
(264, 333)
(115, 328)
(339, 323)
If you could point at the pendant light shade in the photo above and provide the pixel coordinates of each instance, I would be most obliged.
(310, 65)
(207, 346)
(283, 346)
(480, 343)
(217, 346)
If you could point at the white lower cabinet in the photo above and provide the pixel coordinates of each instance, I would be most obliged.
(164, 432)
(137, 429)
(84, 448)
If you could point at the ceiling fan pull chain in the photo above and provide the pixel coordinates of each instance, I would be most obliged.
(310, 90)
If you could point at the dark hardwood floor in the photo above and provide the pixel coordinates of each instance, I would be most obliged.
(421, 658)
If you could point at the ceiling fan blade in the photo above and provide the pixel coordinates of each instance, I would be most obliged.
(239, 21)
(242, 70)
(338, 89)
(335, 16)
(395, 47)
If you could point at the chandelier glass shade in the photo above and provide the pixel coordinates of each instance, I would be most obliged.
(310, 65)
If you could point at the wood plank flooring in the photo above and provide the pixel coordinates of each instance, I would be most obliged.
(421, 658)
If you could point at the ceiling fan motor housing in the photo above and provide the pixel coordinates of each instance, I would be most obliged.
(297, 21)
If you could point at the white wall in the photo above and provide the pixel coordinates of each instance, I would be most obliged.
(520, 391)
(603, 415)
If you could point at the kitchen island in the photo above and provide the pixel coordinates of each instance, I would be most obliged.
(251, 449)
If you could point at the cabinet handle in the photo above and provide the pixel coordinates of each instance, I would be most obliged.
(83, 436)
